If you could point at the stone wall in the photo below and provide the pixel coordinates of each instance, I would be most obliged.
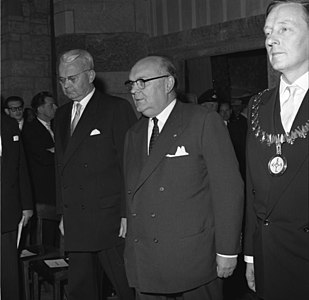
(117, 33)
(25, 48)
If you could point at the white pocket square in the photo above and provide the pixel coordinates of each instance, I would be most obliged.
(95, 132)
(181, 151)
(15, 138)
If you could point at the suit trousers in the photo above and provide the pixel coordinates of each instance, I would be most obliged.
(9, 267)
(211, 291)
(84, 274)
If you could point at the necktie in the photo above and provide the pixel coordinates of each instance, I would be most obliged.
(76, 117)
(155, 133)
(287, 109)
(49, 129)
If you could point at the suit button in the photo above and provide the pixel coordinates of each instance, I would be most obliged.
(136, 240)
(83, 206)
(85, 165)
(129, 192)
(306, 229)
(134, 215)
(253, 191)
(153, 215)
(266, 222)
(161, 189)
(155, 240)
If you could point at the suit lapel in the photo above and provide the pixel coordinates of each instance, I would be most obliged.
(82, 129)
(169, 134)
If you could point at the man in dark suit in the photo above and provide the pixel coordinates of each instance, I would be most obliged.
(38, 139)
(90, 190)
(277, 222)
(183, 227)
(16, 204)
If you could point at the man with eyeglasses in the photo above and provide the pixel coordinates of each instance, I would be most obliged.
(89, 141)
(183, 227)
(14, 107)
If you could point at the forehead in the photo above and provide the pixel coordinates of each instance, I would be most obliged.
(70, 69)
(145, 68)
(14, 103)
(49, 100)
(287, 13)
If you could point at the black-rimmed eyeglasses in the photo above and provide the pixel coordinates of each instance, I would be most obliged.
(16, 108)
(140, 83)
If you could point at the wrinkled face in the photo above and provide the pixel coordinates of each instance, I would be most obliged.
(15, 110)
(287, 40)
(75, 80)
(212, 106)
(225, 112)
(153, 99)
(48, 109)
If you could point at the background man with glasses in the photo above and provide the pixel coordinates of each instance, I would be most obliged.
(89, 140)
(14, 107)
(183, 227)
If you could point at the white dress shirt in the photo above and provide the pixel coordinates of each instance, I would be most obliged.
(162, 118)
(83, 104)
(302, 83)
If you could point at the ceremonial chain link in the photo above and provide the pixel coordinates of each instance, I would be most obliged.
(270, 138)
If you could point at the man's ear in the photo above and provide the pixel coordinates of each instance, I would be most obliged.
(170, 82)
(7, 111)
(91, 76)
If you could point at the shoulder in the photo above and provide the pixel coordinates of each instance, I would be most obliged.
(113, 101)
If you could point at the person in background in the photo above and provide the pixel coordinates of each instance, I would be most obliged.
(277, 219)
(14, 107)
(89, 141)
(38, 139)
(225, 112)
(16, 204)
(209, 99)
(183, 227)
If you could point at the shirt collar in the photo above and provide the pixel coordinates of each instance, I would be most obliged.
(302, 82)
(163, 115)
(43, 122)
(85, 100)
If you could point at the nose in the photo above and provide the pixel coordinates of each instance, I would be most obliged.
(271, 40)
(134, 88)
(65, 83)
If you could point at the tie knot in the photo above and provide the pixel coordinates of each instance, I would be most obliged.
(155, 121)
(292, 89)
(78, 106)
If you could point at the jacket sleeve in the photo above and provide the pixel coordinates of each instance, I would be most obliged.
(226, 185)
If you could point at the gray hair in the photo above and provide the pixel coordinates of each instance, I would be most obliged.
(84, 56)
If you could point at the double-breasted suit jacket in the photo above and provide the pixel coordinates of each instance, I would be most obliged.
(38, 144)
(184, 209)
(15, 185)
(89, 175)
(277, 231)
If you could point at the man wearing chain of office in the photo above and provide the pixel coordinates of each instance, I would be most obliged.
(277, 216)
